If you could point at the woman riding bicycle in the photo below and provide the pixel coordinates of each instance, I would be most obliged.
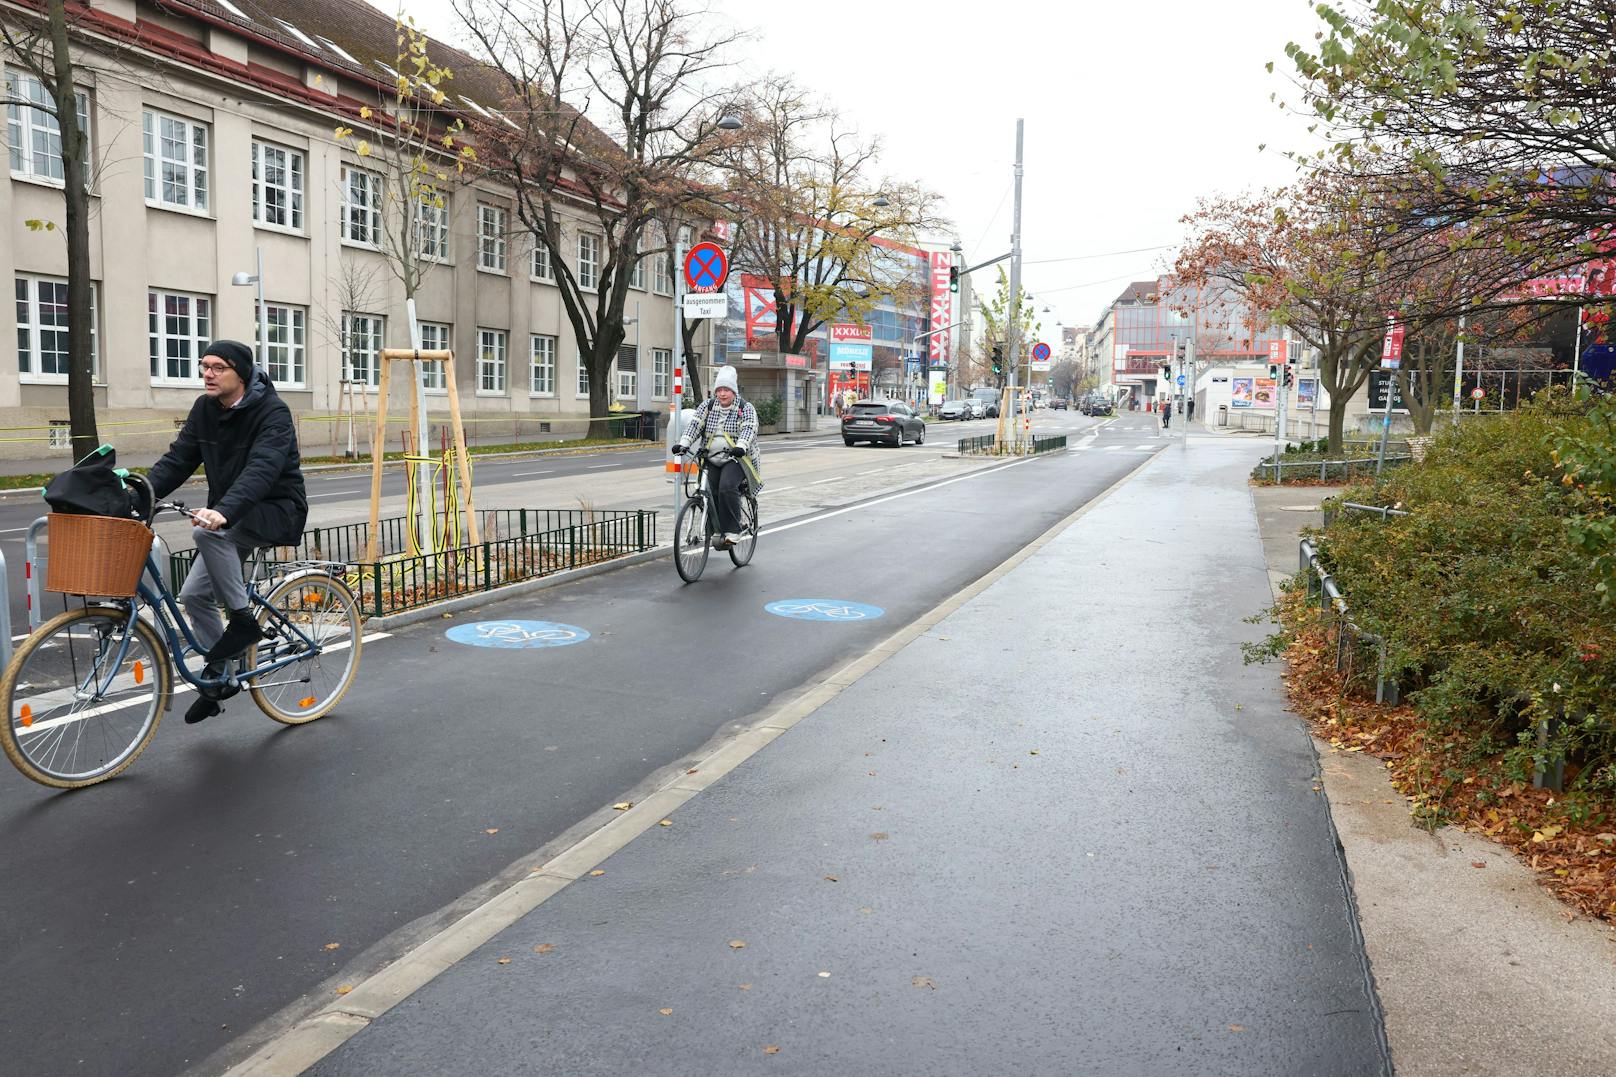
(728, 426)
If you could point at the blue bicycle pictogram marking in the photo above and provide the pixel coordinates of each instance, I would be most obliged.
(824, 609)
(517, 635)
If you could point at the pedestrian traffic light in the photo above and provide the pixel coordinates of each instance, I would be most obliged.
(1289, 376)
(953, 278)
(1167, 372)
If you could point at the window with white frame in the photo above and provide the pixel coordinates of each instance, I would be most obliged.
(583, 375)
(286, 352)
(544, 365)
(432, 226)
(178, 328)
(628, 368)
(434, 337)
(491, 228)
(636, 277)
(661, 372)
(662, 271)
(541, 270)
(42, 334)
(176, 152)
(361, 348)
(588, 260)
(361, 207)
(32, 129)
(277, 191)
(491, 345)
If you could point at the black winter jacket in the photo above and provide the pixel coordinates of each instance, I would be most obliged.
(250, 453)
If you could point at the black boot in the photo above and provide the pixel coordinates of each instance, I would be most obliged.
(201, 710)
(240, 633)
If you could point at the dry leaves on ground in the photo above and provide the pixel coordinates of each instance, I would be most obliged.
(736, 944)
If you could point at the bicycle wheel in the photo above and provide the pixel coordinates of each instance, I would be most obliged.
(741, 552)
(80, 706)
(322, 608)
(692, 532)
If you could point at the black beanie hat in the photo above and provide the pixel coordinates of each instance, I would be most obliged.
(237, 354)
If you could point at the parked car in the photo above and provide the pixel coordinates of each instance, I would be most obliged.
(882, 422)
(955, 409)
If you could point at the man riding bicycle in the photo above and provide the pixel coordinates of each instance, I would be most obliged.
(728, 427)
(242, 433)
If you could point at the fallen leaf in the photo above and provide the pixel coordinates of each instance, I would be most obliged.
(872, 773)
(504, 961)
(597, 872)
(746, 987)
(665, 1012)
(344, 989)
(692, 770)
(492, 830)
(1033, 752)
(736, 944)
(333, 945)
(624, 806)
(879, 835)
(1478, 863)
(1237, 1028)
(832, 879)
(924, 981)
(544, 948)
(666, 822)
(771, 1050)
(824, 975)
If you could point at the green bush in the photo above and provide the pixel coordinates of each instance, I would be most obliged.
(770, 410)
(1488, 593)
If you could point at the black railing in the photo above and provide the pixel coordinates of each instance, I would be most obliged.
(1047, 443)
(518, 544)
(982, 444)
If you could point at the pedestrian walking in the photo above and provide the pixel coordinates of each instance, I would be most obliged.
(1166, 415)
(1189, 410)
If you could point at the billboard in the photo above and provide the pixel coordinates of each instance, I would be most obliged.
(1256, 393)
(851, 356)
(942, 305)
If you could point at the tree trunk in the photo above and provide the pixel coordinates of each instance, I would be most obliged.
(80, 355)
(1338, 423)
(688, 330)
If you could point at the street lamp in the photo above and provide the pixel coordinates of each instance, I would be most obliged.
(730, 122)
(880, 202)
(243, 280)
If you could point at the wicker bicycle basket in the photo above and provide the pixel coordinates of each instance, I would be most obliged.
(95, 555)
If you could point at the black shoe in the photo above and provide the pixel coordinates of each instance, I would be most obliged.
(201, 711)
(215, 681)
(242, 632)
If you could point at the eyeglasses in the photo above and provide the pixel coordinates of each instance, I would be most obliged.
(214, 368)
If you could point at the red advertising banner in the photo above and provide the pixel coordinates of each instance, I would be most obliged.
(848, 333)
(1391, 349)
(942, 305)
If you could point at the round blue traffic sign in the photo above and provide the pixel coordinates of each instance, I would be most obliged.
(1040, 352)
(823, 609)
(1180, 380)
(517, 635)
(706, 266)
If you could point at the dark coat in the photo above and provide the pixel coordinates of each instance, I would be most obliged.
(250, 453)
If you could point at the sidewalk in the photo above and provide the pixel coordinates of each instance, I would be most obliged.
(1061, 830)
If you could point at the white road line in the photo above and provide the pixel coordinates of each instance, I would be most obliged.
(872, 471)
(11, 530)
(315, 497)
(821, 482)
(598, 467)
(530, 474)
(777, 489)
(1113, 448)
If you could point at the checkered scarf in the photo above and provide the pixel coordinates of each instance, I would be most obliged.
(739, 422)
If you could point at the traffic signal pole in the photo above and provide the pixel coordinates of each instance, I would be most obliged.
(1015, 283)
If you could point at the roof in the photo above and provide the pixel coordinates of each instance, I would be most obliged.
(353, 37)
(1141, 291)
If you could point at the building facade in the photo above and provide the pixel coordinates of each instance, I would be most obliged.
(212, 127)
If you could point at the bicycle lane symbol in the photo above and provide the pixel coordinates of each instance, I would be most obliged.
(824, 609)
(517, 635)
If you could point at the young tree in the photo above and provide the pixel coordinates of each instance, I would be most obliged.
(997, 321)
(41, 47)
(609, 115)
(814, 213)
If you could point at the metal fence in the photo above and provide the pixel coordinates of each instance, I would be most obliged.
(518, 544)
(982, 444)
(1042, 443)
(1346, 469)
(1321, 584)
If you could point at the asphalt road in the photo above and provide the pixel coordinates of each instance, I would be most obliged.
(343, 496)
(240, 868)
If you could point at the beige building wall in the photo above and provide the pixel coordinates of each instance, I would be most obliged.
(137, 247)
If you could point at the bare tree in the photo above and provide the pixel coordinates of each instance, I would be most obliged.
(609, 114)
(41, 47)
(815, 212)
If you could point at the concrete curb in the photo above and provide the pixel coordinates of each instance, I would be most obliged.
(312, 1038)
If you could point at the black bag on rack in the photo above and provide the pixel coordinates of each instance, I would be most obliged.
(93, 487)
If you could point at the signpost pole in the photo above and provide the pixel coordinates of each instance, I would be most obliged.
(678, 380)
(1391, 355)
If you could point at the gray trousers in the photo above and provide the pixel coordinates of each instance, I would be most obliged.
(216, 579)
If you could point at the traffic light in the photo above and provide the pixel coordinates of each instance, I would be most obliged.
(1273, 371)
(1290, 377)
(1167, 372)
(953, 279)
(998, 359)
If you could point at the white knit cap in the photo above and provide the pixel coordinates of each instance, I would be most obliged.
(727, 379)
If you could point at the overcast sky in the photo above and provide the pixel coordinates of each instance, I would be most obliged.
(1132, 110)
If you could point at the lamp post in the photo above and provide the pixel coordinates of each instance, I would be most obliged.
(242, 280)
